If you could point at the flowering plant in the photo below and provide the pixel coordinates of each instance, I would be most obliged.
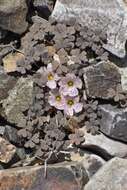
(52, 77)
(64, 94)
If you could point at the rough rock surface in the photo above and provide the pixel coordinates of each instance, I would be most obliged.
(2, 130)
(13, 15)
(104, 145)
(106, 15)
(100, 78)
(92, 163)
(112, 176)
(43, 7)
(123, 72)
(114, 122)
(11, 134)
(2, 34)
(6, 83)
(60, 177)
(19, 100)
(10, 61)
(7, 150)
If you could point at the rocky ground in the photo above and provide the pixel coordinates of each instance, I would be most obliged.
(63, 95)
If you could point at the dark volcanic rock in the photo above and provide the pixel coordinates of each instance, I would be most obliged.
(60, 177)
(43, 7)
(114, 122)
(13, 15)
(100, 78)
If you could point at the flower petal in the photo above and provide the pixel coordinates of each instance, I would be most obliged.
(73, 91)
(59, 106)
(63, 82)
(51, 84)
(64, 91)
(78, 107)
(49, 67)
(51, 100)
(69, 110)
(56, 58)
(76, 99)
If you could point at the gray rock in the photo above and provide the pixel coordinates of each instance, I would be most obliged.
(13, 15)
(11, 134)
(20, 152)
(89, 161)
(4, 51)
(102, 15)
(6, 83)
(18, 101)
(92, 163)
(114, 122)
(1, 167)
(40, 3)
(2, 130)
(43, 7)
(7, 150)
(112, 176)
(123, 72)
(104, 145)
(100, 78)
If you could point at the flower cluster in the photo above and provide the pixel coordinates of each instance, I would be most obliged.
(64, 94)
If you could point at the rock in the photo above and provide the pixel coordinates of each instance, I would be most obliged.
(2, 130)
(108, 16)
(10, 61)
(114, 122)
(7, 151)
(11, 134)
(43, 7)
(113, 176)
(13, 15)
(60, 176)
(1, 167)
(20, 152)
(4, 51)
(2, 34)
(6, 83)
(123, 72)
(100, 78)
(18, 101)
(104, 146)
(90, 162)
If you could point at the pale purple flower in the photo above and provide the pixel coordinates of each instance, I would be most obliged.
(70, 84)
(72, 105)
(52, 77)
(56, 100)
